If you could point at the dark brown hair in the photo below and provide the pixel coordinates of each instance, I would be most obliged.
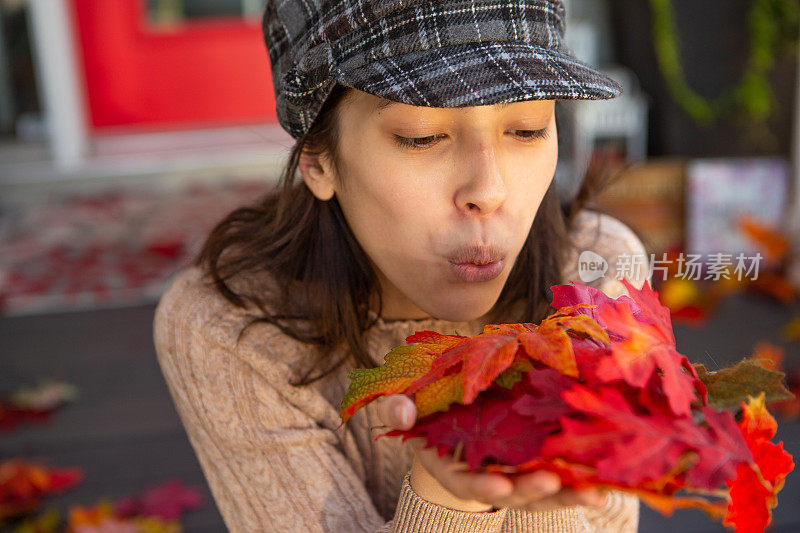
(322, 274)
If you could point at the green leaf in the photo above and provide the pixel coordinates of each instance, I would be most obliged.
(728, 387)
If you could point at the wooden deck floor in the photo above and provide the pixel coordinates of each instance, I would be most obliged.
(125, 433)
(123, 429)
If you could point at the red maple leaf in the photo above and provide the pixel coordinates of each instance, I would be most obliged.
(486, 431)
(753, 493)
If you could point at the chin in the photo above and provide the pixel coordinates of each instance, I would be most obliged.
(463, 313)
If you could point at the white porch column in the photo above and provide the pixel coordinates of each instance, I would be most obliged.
(59, 80)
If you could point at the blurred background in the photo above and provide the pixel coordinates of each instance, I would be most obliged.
(128, 128)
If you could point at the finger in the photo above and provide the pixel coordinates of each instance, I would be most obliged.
(397, 411)
(531, 487)
(546, 483)
(538, 484)
(489, 488)
(593, 497)
(486, 488)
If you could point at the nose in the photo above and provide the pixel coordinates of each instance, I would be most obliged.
(482, 190)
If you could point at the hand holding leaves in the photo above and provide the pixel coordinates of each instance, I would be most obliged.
(448, 482)
(598, 394)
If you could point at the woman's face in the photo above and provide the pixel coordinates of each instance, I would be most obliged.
(420, 183)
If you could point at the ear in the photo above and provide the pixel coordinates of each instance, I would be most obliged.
(318, 173)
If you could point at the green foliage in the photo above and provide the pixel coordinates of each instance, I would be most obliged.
(772, 28)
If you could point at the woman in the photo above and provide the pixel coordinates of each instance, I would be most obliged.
(426, 145)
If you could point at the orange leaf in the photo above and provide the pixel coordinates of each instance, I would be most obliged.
(444, 369)
(401, 367)
(772, 242)
(479, 359)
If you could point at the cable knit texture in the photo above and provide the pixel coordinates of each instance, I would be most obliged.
(272, 454)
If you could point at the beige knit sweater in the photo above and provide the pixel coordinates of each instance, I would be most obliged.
(270, 451)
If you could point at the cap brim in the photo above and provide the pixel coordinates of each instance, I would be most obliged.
(481, 73)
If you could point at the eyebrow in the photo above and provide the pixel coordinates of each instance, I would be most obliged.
(384, 103)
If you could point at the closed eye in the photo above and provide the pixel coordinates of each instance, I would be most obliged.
(420, 143)
(529, 135)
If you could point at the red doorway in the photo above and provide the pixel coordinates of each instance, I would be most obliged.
(195, 73)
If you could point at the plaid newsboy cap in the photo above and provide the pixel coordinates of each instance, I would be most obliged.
(445, 53)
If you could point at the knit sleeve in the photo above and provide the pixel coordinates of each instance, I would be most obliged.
(269, 464)
(626, 255)
(617, 244)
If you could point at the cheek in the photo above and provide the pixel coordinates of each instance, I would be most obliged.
(399, 186)
(535, 174)
(395, 235)
(385, 206)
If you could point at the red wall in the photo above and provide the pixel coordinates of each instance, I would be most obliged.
(199, 73)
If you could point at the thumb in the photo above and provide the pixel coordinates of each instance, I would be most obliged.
(397, 411)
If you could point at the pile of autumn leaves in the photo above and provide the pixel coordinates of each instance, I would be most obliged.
(598, 394)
